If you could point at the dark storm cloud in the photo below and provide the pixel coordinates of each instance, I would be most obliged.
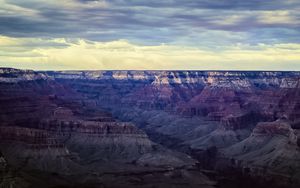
(150, 21)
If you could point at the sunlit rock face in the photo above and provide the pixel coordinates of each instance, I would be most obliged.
(9, 75)
(217, 95)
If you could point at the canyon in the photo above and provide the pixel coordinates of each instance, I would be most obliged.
(149, 128)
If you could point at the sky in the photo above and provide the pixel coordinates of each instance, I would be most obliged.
(150, 34)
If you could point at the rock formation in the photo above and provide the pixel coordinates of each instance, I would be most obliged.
(196, 110)
(50, 127)
(101, 121)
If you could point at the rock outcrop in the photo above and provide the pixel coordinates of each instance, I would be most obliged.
(270, 150)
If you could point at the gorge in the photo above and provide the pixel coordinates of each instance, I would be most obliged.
(149, 128)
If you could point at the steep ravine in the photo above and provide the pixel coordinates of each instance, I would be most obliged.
(101, 125)
(201, 113)
(53, 136)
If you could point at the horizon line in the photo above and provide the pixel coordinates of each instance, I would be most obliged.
(200, 70)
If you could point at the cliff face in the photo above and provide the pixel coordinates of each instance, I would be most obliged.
(271, 150)
(50, 127)
(238, 100)
(9, 75)
(102, 119)
(45, 120)
(200, 110)
(218, 95)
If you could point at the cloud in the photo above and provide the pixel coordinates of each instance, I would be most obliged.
(147, 22)
(137, 34)
(283, 17)
(62, 54)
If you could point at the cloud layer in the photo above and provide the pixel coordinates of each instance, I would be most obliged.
(203, 34)
(63, 54)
